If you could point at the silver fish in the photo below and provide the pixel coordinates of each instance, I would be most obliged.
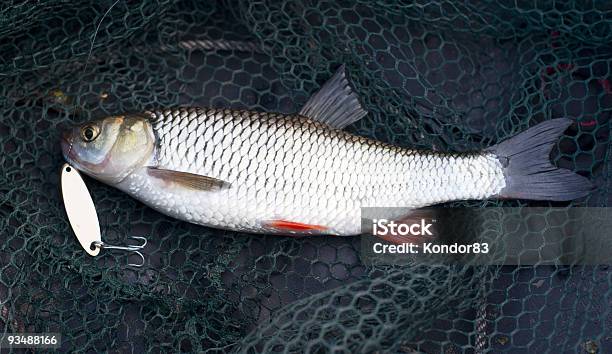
(301, 174)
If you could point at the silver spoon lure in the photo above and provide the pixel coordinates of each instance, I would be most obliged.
(83, 218)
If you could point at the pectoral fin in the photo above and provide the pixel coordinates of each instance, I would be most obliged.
(188, 180)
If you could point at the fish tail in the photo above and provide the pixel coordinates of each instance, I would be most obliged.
(528, 171)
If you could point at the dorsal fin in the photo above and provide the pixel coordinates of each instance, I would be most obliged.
(335, 104)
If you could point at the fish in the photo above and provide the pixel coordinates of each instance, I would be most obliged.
(302, 174)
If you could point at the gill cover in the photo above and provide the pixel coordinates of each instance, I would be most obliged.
(109, 149)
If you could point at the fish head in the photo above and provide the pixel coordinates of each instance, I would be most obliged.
(111, 148)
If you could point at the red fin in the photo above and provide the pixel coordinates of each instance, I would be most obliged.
(293, 226)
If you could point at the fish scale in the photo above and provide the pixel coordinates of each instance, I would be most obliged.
(323, 178)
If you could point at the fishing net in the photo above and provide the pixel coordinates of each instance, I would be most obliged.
(442, 75)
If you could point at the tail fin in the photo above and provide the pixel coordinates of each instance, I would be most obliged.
(527, 168)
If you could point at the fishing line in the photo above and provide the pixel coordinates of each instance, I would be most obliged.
(93, 41)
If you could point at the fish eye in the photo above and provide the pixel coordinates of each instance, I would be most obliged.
(90, 133)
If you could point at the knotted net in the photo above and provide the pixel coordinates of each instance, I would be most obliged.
(442, 75)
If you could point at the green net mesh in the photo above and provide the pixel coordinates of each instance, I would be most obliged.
(440, 75)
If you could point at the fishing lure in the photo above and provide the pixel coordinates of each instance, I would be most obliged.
(83, 218)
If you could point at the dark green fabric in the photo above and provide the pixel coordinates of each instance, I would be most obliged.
(432, 74)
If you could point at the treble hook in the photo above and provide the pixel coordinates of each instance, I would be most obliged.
(131, 248)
